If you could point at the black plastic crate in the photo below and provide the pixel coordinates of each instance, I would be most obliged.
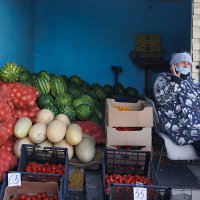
(119, 161)
(52, 155)
(126, 191)
(35, 177)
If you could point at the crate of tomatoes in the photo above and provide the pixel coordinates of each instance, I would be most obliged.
(128, 167)
(26, 185)
(138, 191)
(48, 160)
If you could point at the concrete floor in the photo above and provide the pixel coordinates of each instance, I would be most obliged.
(184, 179)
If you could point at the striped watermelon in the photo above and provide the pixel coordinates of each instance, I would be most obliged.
(84, 99)
(100, 94)
(85, 89)
(53, 109)
(97, 112)
(34, 76)
(108, 89)
(10, 72)
(95, 119)
(74, 92)
(65, 78)
(83, 112)
(131, 92)
(58, 85)
(69, 111)
(24, 76)
(120, 89)
(63, 100)
(27, 82)
(45, 74)
(45, 100)
(75, 80)
(92, 93)
(42, 85)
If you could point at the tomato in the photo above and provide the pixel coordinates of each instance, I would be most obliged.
(39, 196)
(21, 196)
(43, 194)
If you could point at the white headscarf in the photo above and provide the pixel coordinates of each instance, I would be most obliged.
(180, 57)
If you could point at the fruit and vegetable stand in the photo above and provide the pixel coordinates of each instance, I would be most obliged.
(60, 126)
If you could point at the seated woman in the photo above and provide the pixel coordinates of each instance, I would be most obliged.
(177, 99)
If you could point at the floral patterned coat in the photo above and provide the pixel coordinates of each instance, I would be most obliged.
(178, 107)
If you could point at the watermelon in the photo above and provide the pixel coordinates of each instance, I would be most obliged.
(65, 78)
(42, 85)
(108, 90)
(96, 119)
(97, 112)
(58, 85)
(85, 89)
(74, 92)
(100, 94)
(120, 89)
(33, 76)
(131, 92)
(52, 108)
(45, 74)
(75, 80)
(10, 72)
(45, 100)
(22, 68)
(24, 76)
(69, 111)
(27, 82)
(92, 93)
(83, 112)
(84, 99)
(63, 100)
(85, 83)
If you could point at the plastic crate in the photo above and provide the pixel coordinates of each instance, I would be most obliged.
(34, 177)
(127, 162)
(34, 153)
(126, 191)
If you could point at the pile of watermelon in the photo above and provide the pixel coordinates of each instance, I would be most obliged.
(72, 96)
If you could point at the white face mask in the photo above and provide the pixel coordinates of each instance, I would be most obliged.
(183, 70)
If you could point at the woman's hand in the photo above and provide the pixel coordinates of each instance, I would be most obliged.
(173, 70)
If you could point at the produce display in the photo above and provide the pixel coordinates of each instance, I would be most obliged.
(52, 110)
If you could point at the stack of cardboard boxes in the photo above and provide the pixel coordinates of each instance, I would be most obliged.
(139, 120)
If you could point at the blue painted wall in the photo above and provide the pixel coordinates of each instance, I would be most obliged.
(87, 37)
(16, 34)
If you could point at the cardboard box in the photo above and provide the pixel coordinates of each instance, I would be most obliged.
(129, 138)
(134, 148)
(148, 43)
(31, 188)
(140, 114)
